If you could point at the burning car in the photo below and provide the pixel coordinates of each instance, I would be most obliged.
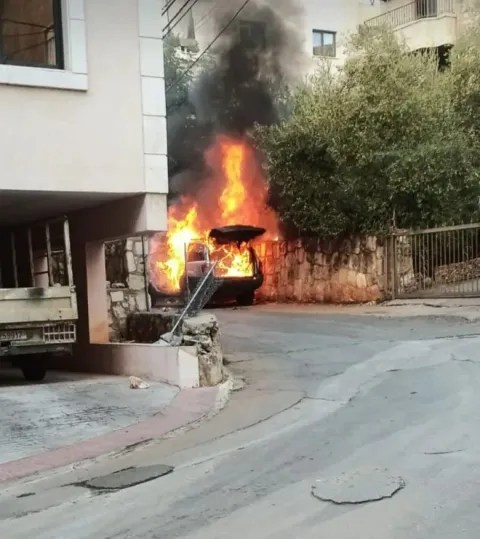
(232, 189)
(237, 265)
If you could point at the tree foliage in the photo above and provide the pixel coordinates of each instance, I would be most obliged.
(389, 139)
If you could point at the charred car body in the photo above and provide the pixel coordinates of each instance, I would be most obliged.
(237, 265)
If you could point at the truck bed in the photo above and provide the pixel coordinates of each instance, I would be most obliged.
(31, 305)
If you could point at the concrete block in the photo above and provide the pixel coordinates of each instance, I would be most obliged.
(136, 282)
(138, 248)
(130, 259)
(117, 296)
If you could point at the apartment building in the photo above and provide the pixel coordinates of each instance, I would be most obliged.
(82, 102)
(425, 24)
(323, 25)
(326, 24)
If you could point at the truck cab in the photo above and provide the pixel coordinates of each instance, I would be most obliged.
(38, 304)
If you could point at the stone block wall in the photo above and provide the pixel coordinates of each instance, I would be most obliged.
(324, 271)
(125, 260)
(306, 270)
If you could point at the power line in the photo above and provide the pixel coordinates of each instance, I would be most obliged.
(172, 23)
(168, 6)
(169, 31)
(219, 35)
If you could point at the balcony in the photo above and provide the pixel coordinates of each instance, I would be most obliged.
(422, 23)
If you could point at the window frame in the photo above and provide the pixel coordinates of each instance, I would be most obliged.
(323, 33)
(58, 28)
(73, 75)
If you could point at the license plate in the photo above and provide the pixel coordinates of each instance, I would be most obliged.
(13, 336)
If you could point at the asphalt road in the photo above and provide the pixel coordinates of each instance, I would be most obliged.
(360, 403)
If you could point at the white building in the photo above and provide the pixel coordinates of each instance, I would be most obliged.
(326, 24)
(82, 102)
(424, 24)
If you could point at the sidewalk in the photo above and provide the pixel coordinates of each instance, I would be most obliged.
(73, 417)
(467, 309)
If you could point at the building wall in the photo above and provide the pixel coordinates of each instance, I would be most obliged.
(104, 135)
(340, 16)
(445, 29)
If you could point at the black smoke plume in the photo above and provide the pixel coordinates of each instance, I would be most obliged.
(254, 62)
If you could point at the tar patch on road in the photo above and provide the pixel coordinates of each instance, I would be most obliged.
(358, 487)
(126, 478)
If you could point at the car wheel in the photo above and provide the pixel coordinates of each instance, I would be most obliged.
(34, 373)
(246, 299)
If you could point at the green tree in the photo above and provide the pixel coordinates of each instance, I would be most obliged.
(383, 141)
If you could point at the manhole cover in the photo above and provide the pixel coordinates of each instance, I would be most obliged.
(129, 477)
(360, 486)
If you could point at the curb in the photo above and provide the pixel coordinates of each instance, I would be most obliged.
(224, 391)
(187, 409)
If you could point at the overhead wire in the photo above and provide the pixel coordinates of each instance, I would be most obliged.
(168, 6)
(178, 17)
(212, 43)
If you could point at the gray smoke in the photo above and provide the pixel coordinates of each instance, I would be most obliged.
(254, 61)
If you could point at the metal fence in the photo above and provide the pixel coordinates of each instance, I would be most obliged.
(435, 263)
(413, 11)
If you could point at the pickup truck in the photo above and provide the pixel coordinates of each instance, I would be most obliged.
(38, 304)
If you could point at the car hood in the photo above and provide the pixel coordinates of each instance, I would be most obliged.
(236, 233)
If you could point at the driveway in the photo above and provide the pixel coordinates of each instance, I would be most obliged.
(350, 426)
(68, 408)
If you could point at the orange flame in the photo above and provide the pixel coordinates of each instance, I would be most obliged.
(234, 193)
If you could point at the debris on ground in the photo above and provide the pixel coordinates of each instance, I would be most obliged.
(137, 383)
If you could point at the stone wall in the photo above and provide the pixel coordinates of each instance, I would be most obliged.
(201, 332)
(126, 261)
(323, 271)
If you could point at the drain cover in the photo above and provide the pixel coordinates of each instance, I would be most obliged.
(360, 486)
(129, 477)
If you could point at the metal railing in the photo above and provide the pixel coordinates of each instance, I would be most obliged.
(208, 285)
(411, 12)
(435, 263)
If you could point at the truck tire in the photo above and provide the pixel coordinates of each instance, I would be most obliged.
(34, 373)
(246, 299)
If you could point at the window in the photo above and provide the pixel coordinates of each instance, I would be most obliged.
(324, 43)
(31, 33)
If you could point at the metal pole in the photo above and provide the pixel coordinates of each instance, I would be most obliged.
(187, 283)
(30, 256)
(49, 255)
(146, 276)
(394, 267)
(14, 258)
(68, 251)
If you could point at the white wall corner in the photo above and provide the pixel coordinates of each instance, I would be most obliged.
(156, 173)
(150, 31)
(151, 57)
(150, 19)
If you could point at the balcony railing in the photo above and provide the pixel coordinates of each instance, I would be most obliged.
(414, 11)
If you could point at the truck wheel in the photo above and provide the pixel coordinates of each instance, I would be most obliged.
(34, 373)
(246, 299)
